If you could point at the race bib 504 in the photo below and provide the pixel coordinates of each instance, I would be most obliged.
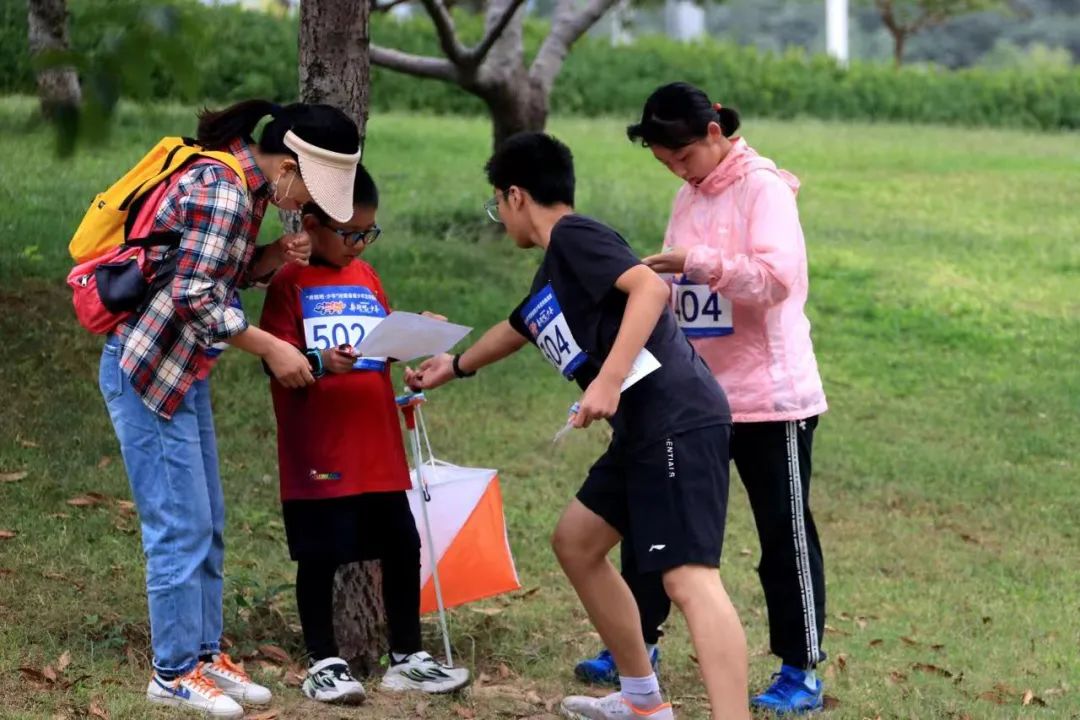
(549, 329)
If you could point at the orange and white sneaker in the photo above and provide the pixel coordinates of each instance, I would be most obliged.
(611, 707)
(234, 681)
(193, 691)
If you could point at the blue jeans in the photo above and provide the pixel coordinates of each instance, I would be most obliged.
(172, 466)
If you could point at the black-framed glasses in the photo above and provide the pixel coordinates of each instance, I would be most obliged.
(491, 207)
(353, 238)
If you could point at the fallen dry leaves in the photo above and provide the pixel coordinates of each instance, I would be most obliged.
(275, 653)
(8, 534)
(10, 477)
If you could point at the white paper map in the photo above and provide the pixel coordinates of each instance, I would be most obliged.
(407, 336)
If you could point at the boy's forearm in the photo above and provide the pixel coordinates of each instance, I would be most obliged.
(497, 343)
(647, 296)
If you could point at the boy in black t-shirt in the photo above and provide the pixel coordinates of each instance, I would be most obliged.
(602, 319)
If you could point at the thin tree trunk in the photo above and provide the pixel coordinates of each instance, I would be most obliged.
(58, 88)
(335, 69)
(899, 40)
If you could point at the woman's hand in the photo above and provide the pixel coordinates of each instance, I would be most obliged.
(289, 366)
(672, 261)
(434, 316)
(296, 248)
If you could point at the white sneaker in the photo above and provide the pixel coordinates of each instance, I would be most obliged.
(330, 681)
(232, 680)
(422, 672)
(611, 707)
(193, 691)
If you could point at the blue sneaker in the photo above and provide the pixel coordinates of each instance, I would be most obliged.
(790, 694)
(601, 669)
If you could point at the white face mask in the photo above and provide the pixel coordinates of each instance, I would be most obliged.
(283, 200)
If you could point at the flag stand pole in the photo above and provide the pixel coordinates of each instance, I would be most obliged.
(410, 408)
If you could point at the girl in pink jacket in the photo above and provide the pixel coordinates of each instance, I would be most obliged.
(735, 248)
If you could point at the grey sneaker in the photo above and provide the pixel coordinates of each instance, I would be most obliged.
(330, 681)
(422, 672)
(611, 707)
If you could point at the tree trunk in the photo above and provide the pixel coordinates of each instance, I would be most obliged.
(335, 69)
(516, 102)
(516, 107)
(899, 40)
(334, 65)
(58, 88)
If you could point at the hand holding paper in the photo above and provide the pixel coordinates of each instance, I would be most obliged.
(407, 336)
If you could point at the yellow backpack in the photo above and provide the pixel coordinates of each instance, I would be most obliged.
(106, 223)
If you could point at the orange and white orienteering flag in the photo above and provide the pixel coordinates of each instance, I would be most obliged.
(468, 531)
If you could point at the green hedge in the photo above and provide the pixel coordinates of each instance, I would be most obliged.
(239, 53)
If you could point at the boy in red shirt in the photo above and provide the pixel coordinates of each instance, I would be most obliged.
(341, 457)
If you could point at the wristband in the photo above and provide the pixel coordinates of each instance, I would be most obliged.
(314, 358)
(458, 372)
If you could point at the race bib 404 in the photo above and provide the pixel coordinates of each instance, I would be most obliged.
(341, 315)
(549, 329)
(699, 311)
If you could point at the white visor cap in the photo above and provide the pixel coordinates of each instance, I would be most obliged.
(328, 175)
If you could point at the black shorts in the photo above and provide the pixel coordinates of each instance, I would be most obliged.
(668, 499)
(371, 526)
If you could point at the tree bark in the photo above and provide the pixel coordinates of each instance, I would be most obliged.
(335, 69)
(334, 63)
(514, 108)
(58, 88)
(517, 96)
(899, 40)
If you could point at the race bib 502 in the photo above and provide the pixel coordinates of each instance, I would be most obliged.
(341, 315)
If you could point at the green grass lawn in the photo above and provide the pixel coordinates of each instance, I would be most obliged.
(945, 298)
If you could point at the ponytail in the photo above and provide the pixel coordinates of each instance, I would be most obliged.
(728, 119)
(217, 128)
(321, 125)
(679, 114)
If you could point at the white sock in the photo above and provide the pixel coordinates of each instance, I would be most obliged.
(810, 678)
(397, 659)
(649, 649)
(641, 692)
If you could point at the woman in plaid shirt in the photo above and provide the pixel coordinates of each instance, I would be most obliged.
(155, 370)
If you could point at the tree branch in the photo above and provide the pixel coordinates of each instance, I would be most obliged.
(444, 26)
(387, 6)
(416, 65)
(475, 56)
(566, 29)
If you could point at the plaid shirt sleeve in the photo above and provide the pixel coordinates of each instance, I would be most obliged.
(213, 214)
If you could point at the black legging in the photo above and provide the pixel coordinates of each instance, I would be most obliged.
(400, 560)
(774, 462)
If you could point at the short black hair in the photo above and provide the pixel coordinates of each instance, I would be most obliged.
(536, 163)
(364, 194)
(679, 114)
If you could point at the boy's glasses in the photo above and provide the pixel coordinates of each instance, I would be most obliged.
(353, 238)
(491, 207)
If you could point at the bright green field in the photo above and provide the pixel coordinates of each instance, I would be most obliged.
(945, 297)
